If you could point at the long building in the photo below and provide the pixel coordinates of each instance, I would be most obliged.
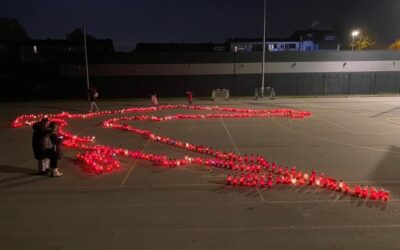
(289, 73)
(120, 75)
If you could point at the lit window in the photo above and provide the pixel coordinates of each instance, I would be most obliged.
(270, 47)
(330, 38)
(34, 49)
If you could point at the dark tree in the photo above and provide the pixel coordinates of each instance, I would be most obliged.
(12, 30)
(77, 36)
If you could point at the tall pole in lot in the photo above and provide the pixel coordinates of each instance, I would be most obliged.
(354, 33)
(263, 52)
(85, 44)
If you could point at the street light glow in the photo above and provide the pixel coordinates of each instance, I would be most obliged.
(355, 33)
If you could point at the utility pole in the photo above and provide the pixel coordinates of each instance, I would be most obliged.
(263, 52)
(85, 44)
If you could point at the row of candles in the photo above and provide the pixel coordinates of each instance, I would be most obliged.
(256, 171)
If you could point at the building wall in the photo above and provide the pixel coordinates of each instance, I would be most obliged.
(171, 75)
(239, 68)
(273, 46)
(316, 73)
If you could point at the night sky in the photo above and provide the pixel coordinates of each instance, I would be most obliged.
(128, 22)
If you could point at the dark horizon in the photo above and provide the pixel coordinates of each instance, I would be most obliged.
(128, 23)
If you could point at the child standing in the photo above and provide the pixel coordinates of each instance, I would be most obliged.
(189, 97)
(154, 100)
(92, 95)
(54, 153)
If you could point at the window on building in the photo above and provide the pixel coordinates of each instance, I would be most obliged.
(290, 46)
(330, 38)
(35, 49)
(219, 49)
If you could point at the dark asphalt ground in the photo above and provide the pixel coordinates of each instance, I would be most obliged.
(142, 206)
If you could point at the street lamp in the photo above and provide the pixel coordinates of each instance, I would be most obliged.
(263, 51)
(354, 34)
(85, 44)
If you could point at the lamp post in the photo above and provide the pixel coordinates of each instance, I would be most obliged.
(263, 52)
(235, 50)
(354, 34)
(85, 44)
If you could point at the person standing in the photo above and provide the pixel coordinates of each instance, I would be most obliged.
(154, 100)
(40, 128)
(54, 152)
(92, 96)
(189, 95)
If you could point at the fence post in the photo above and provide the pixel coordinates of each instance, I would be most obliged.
(298, 84)
(348, 85)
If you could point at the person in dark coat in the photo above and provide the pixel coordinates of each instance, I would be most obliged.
(39, 131)
(92, 96)
(55, 152)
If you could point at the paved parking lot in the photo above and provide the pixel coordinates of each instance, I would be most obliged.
(142, 206)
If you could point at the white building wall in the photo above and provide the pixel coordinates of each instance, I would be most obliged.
(230, 68)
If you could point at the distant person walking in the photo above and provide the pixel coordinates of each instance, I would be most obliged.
(189, 95)
(40, 129)
(53, 149)
(92, 96)
(154, 100)
(272, 94)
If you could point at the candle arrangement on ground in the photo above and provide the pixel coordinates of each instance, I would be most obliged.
(246, 170)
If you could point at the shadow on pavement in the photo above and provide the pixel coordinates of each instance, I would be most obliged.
(14, 169)
(19, 176)
(387, 172)
(384, 113)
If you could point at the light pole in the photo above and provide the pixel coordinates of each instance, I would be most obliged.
(234, 66)
(354, 34)
(84, 44)
(263, 52)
